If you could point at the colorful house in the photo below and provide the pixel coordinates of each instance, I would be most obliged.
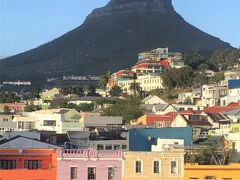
(28, 164)
(163, 162)
(143, 139)
(89, 164)
(14, 107)
(215, 172)
(153, 165)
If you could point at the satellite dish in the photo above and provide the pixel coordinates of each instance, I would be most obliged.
(149, 138)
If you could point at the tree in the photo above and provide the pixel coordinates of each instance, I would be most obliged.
(219, 59)
(72, 90)
(129, 109)
(34, 93)
(85, 107)
(177, 78)
(115, 91)
(90, 90)
(194, 59)
(135, 87)
(212, 152)
(200, 78)
(58, 103)
(31, 107)
(6, 97)
(218, 77)
(104, 80)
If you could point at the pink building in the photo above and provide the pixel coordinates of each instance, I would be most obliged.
(89, 164)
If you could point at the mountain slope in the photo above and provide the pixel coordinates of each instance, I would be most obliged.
(110, 39)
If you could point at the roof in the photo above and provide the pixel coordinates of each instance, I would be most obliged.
(150, 119)
(191, 112)
(21, 142)
(216, 117)
(160, 107)
(147, 107)
(150, 97)
(76, 135)
(93, 98)
(234, 104)
(199, 122)
(219, 109)
(196, 122)
(234, 112)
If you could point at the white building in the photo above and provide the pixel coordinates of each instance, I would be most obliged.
(211, 95)
(59, 120)
(146, 82)
(153, 100)
(163, 144)
(233, 94)
(90, 122)
(7, 124)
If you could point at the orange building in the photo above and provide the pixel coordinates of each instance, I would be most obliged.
(225, 172)
(28, 164)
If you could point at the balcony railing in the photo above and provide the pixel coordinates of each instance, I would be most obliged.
(89, 153)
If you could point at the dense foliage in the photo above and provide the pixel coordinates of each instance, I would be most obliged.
(6, 97)
(115, 91)
(177, 78)
(129, 109)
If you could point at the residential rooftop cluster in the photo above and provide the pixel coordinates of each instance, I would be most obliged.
(106, 133)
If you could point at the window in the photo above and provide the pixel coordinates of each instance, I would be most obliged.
(73, 173)
(49, 123)
(116, 146)
(108, 147)
(7, 164)
(99, 147)
(110, 173)
(91, 173)
(138, 165)
(210, 177)
(124, 146)
(227, 178)
(173, 167)
(32, 164)
(156, 167)
(193, 178)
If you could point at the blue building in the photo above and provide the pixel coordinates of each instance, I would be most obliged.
(143, 139)
(234, 84)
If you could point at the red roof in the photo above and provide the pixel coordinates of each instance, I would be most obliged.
(189, 112)
(150, 119)
(165, 63)
(236, 104)
(219, 109)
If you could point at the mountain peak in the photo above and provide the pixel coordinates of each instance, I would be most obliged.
(126, 7)
(110, 39)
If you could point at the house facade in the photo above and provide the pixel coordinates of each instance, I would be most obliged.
(194, 171)
(89, 164)
(28, 164)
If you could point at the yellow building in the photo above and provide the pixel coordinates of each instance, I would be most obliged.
(162, 165)
(216, 172)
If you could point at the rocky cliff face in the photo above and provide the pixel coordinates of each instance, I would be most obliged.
(127, 7)
(110, 39)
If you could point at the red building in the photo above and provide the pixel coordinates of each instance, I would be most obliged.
(28, 164)
(12, 106)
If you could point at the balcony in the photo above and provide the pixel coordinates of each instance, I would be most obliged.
(90, 153)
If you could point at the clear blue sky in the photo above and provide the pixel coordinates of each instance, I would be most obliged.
(25, 24)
